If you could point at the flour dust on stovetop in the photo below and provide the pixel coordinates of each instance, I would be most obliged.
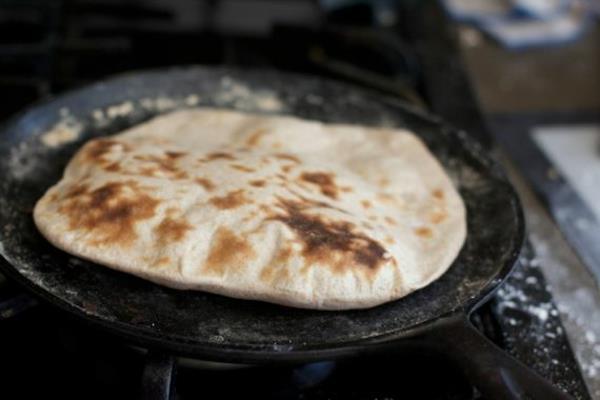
(530, 321)
(577, 308)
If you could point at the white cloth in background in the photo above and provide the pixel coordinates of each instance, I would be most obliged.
(518, 24)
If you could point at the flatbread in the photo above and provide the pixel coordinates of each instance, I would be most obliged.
(271, 208)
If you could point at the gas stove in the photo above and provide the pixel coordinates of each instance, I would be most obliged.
(406, 52)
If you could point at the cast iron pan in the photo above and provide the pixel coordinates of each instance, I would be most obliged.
(223, 329)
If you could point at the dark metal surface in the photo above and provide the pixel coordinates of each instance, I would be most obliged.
(446, 85)
(216, 327)
(158, 378)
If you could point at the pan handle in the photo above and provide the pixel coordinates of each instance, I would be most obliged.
(158, 378)
(497, 375)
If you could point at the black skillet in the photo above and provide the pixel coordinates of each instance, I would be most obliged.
(218, 328)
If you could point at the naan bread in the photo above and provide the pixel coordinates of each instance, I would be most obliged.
(277, 209)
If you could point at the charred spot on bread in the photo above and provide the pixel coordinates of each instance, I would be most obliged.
(337, 244)
(325, 182)
(227, 251)
(233, 199)
(109, 212)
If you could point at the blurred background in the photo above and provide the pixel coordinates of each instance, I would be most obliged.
(522, 76)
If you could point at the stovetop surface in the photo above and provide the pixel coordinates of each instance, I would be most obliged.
(68, 359)
(70, 43)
